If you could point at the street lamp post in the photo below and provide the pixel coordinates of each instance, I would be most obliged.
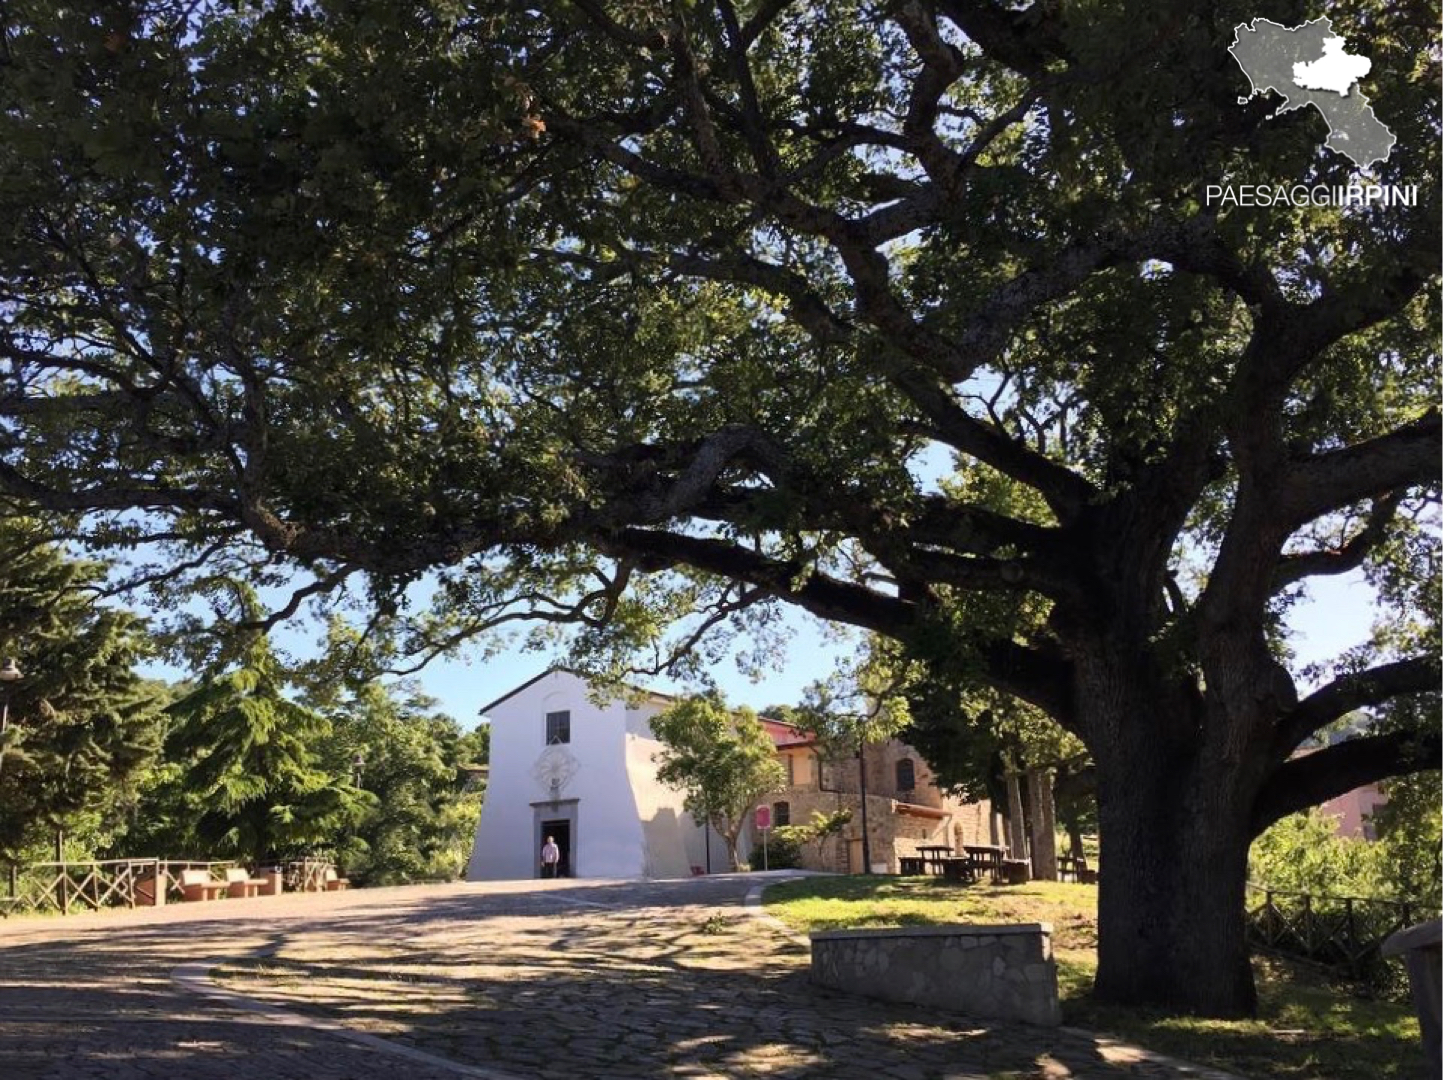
(862, 783)
(10, 674)
(706, 837)
(358, 766)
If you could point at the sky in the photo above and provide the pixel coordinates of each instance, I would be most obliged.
(1338, 615)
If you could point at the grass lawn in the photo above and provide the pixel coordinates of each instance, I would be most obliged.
(1306, 1029)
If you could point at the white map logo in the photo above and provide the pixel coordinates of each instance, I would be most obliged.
(1337, 71)
(1311, 65)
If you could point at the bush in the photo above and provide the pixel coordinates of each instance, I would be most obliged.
(782, 853)
(1303, 853)
(1410, 833)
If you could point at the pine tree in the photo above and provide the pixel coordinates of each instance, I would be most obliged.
(252, 763)
(80, 724)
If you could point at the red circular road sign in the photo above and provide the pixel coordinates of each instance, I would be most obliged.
(764, 817)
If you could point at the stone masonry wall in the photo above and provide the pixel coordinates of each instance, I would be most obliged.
(882, 759)
(1005, 972)
(830, 785)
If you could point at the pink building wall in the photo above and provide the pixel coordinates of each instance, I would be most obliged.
(1353, 809)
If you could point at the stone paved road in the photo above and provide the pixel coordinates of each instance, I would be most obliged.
(515, 981)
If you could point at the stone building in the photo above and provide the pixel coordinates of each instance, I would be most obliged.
(906, 810)
(569, 765)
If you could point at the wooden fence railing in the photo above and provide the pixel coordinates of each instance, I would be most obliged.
(69, 887)
(308, 875)
(1341, 932)
(65, 887)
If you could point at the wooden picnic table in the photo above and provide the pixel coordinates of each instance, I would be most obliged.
(933, 856)
(987, 857)
(959, 870)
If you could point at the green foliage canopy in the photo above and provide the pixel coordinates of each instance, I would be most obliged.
(722, 759)
(1304, 853)
(423, 821)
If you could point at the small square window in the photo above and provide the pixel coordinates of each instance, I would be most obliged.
(558, 728)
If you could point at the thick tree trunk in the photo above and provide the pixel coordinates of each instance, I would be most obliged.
(731, 836)
(1171, 892)
(1016, 822)
(1177, 774)
(1042, 822)
(1074, 831)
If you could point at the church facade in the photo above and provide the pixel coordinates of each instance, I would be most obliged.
(580, 770)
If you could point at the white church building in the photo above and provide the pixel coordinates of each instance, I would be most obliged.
(564, 766)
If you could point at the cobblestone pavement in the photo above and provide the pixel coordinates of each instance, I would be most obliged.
(501, 981)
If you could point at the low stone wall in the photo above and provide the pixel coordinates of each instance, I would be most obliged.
(1005, 972)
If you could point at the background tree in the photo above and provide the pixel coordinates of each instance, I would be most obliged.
(249, 762)
(822, 826)
(985, 744)
(1304, 853)
(82, 724)
(1410, 833)
(722, 759)
(614, 317)
(423, 821)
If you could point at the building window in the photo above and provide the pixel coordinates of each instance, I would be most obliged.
(781, 814)
(787, 764)
(906, 775)
(558, 728)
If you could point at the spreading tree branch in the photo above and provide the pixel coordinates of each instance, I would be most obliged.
(1315, 778)
(1415, 675)
(1404, 457)
(1296, 567)
(807, 587)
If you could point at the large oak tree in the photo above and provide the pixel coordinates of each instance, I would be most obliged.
(608, 312)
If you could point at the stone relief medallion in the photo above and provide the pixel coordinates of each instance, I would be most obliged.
(554, 770)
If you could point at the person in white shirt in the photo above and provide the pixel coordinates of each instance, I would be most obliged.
(550, 857)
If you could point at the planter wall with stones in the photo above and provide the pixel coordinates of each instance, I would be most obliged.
(1006, 972)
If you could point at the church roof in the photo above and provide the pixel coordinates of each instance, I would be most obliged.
(785, 735)
(655, 695)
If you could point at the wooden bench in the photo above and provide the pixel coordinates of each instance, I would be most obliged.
(986, 858)
(240, 884)
(334, 882)
(273, 881)
(912, 865)
(960, 870)
(1075, 868)
(198, 885)
(1016, 871)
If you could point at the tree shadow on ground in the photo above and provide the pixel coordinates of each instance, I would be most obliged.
(572, 981)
